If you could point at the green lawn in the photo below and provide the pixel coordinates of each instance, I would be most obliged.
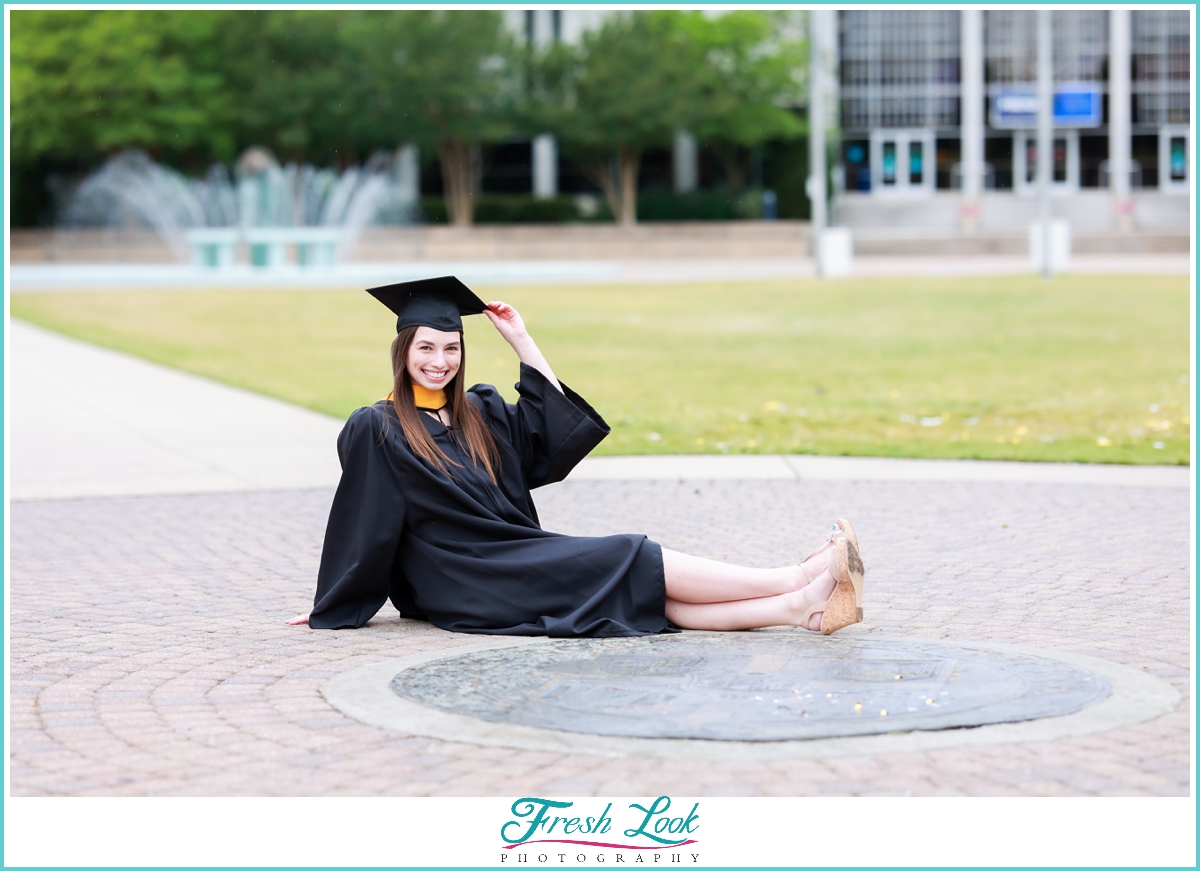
(1075, 368)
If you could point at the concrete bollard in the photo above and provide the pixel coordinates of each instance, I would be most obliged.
(836, 252)
(1060, 245)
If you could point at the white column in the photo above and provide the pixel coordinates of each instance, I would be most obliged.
(543, 28)
(545, 166)
(971, 100)
(832, 248)
(1119, 117)
(816, 131)
(545, 146)
(1045, 129)
(407, 170)
(684, 162)
(822, 95)
(833, 104)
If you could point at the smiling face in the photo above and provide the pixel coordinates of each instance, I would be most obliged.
(434, 357)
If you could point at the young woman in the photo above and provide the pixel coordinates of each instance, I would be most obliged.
(434, 512)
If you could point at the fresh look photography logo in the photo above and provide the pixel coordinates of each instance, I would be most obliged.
(650, 833)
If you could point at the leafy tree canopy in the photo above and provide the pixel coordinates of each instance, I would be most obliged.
(98, 81)
(433, 75)
(443, 79)
(291, 83)
(332, 86)
(632, 82)
(756, 62)
(630, 85)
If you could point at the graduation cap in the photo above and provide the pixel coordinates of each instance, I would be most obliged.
(430, 302)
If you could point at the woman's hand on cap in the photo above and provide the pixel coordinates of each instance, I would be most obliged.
(506, 320)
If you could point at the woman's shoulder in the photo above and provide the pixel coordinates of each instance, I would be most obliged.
(369, 421)
(485, 397)
(371, 414)
(496, 413)
(483, 390)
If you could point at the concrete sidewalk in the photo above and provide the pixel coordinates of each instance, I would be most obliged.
(648, 271)
(92, 422)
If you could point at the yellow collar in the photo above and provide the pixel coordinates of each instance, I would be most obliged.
(422, 398)
(433, 399)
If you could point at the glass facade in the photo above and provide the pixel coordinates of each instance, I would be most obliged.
(899, 69)
(1161, 67)
(1080, 39)
(901, 86)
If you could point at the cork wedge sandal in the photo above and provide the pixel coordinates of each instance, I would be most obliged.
(844, 606)
(841, 526)
(844, 525)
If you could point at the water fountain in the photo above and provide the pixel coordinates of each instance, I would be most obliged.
(267, 206)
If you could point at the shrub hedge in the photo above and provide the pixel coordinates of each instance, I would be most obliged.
(655, 204)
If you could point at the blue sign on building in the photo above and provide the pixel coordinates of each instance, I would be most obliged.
(1074, 106)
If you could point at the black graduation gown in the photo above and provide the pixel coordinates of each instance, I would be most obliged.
(467, 554)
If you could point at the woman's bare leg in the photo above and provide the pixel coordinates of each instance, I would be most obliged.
(786, 609)
(697, 580)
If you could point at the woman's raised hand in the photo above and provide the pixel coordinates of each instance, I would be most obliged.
(509, 325)
(507, 321)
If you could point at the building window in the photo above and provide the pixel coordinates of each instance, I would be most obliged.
(1144, 151)
(1079, 39)
(1161, 66)
(899, 69)
(998, 154)
(556, 24)
(1093, 158)
(949, 155)
(856, 161)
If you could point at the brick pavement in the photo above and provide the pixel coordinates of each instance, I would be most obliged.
(148, 654)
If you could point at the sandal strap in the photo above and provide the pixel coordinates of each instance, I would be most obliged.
(804, 571)
(828, 541)
(813, 609)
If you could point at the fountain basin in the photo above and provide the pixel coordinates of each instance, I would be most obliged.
(216, 247)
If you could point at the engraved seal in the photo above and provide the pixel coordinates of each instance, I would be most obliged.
(750, 686)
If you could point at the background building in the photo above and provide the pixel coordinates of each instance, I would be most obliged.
(932, 132)
(933, 121)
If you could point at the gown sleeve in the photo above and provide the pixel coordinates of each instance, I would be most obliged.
(365, 524)
(550, 430)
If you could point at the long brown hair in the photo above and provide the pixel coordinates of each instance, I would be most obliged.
(464, 417)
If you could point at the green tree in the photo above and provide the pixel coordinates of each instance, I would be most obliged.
(443, 79)
(755, 70)
(330, 85)
(294, 85)
(629, 86)
(98, 81)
